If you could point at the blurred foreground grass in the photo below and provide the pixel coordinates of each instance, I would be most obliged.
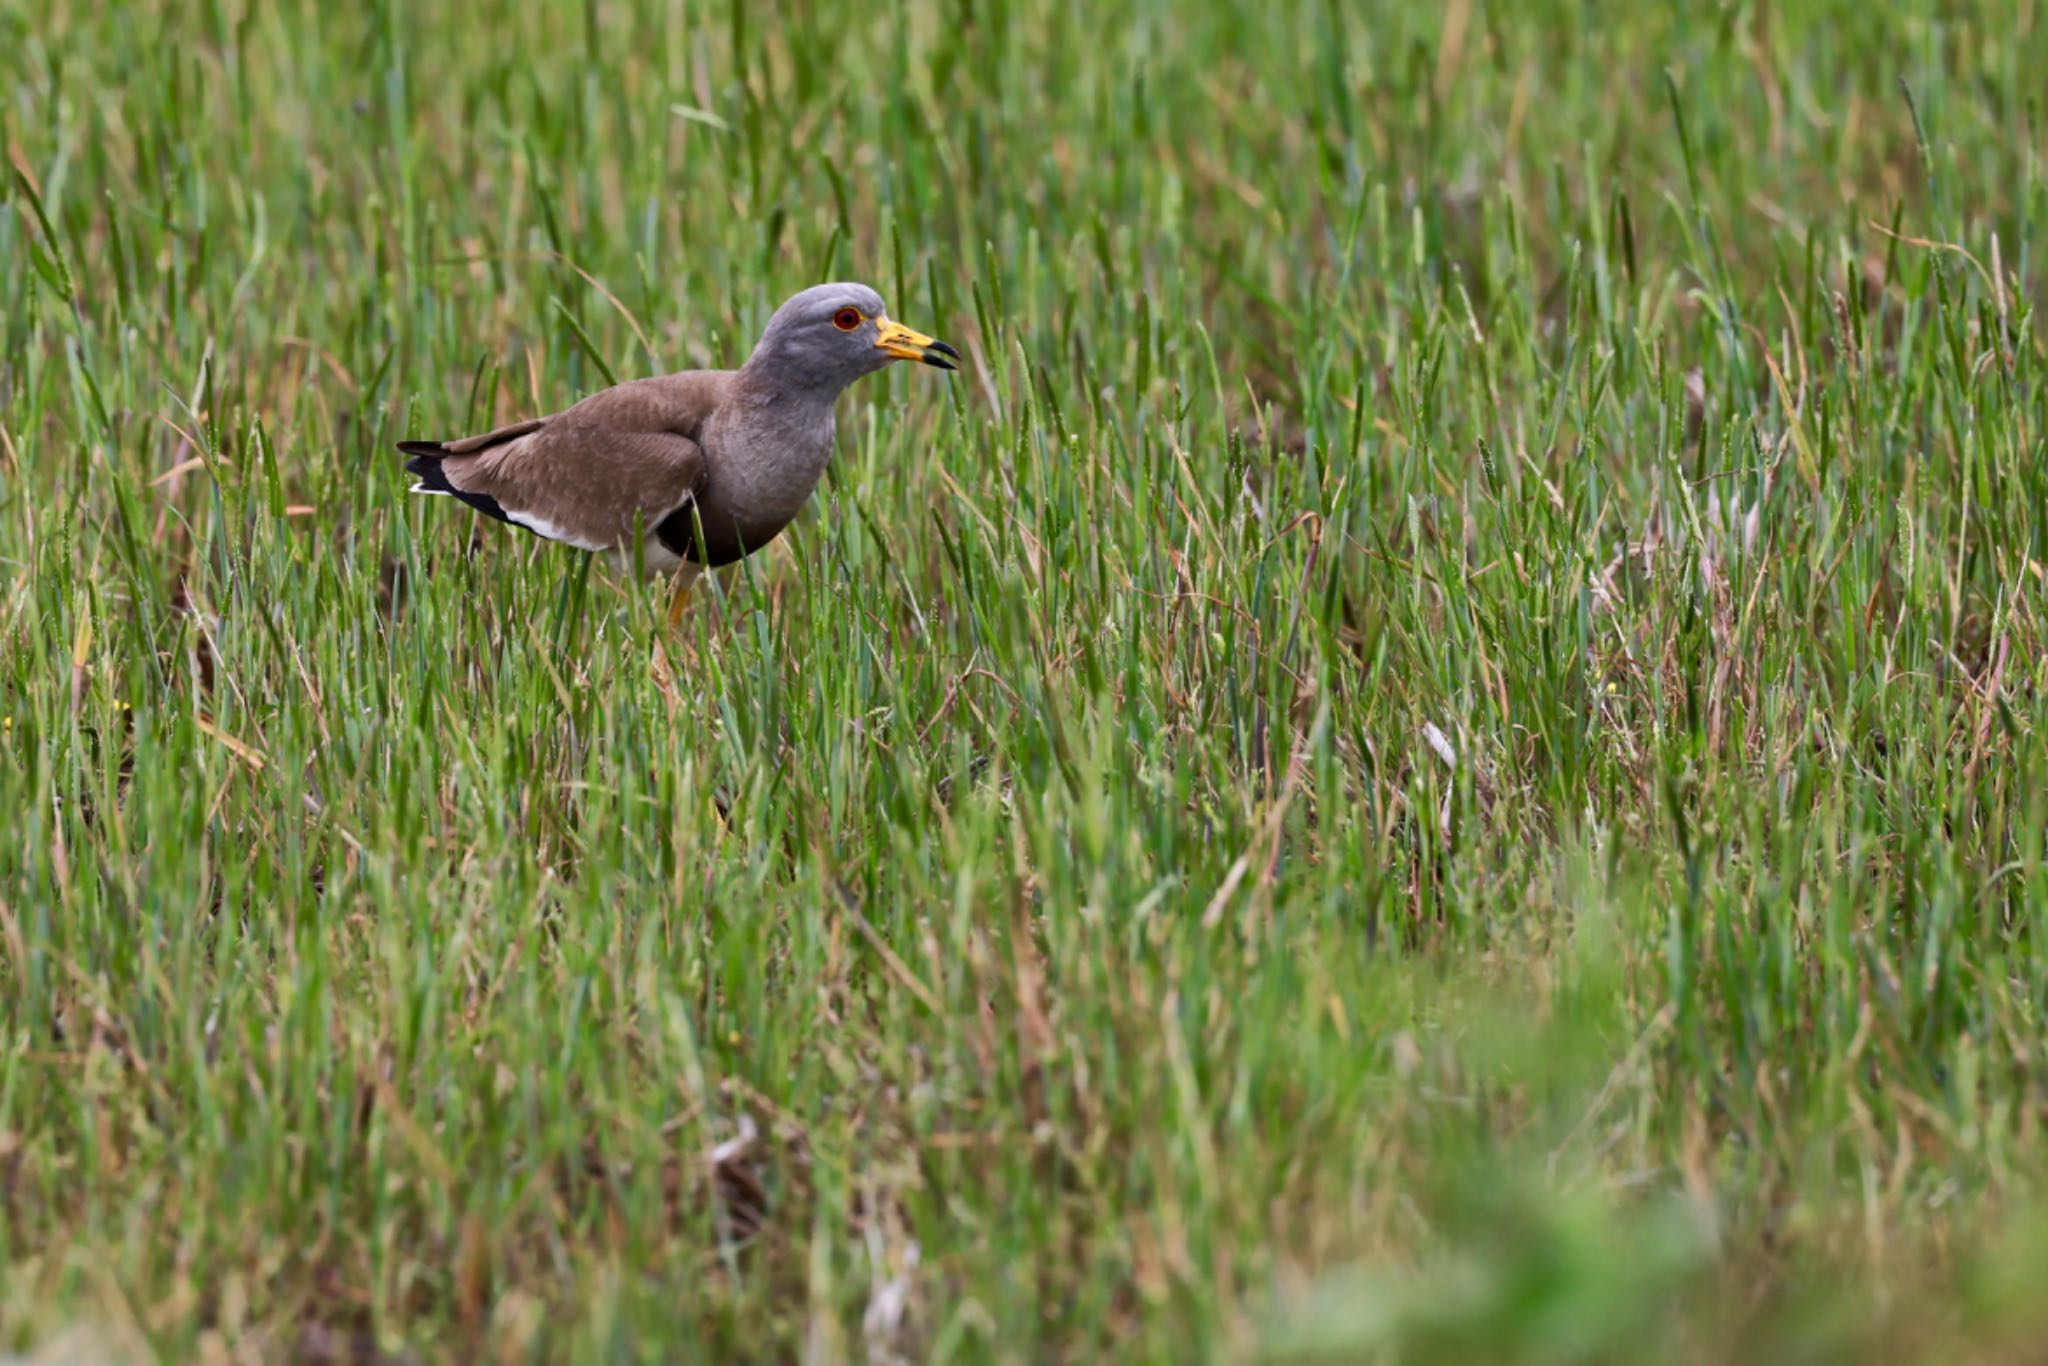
(1435, 753)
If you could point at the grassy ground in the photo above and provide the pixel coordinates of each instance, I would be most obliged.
(1436, 752)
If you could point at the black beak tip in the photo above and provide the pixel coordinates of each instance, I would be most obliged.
(941, 356)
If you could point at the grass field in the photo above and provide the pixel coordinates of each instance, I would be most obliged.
(1437, 752)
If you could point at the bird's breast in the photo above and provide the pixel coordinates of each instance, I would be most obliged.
(764, 472)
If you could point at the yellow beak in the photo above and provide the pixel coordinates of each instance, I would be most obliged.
(907, 344)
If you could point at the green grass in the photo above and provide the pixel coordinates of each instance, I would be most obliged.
(1436, 751)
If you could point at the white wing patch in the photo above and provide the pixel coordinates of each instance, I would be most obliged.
(432, 493)
(542, 527)
(656, 560)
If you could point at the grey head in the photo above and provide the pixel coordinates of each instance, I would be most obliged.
(826, 337)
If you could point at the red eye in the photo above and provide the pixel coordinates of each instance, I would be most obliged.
(846, 319)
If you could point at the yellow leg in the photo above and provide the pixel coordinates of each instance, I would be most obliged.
(677, 602)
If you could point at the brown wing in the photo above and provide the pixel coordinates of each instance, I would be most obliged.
(470, 445)
(586, 475)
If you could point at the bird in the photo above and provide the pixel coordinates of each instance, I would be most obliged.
(679, 474)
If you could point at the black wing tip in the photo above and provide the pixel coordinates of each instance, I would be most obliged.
(433, 480)
(428, 468)
(423, 447)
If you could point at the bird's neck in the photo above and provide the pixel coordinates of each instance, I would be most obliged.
(771, 444)
(761, 383)
(778, 372)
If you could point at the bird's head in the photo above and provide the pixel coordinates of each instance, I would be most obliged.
(828, 336)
